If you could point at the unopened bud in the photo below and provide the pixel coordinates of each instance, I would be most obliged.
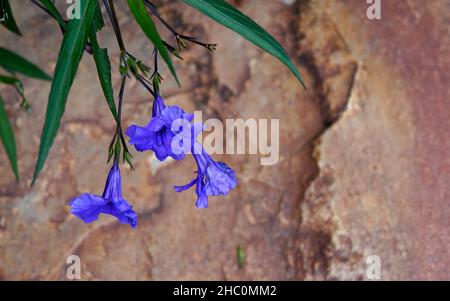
(128, 158)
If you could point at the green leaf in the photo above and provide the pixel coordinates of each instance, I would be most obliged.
(9, 21)
(7, 136)
(16, 63)
(9, 80)
(55, 13)
(102, 62)
(240, 256)
(139, 11)
(69, 58)
(230, 17)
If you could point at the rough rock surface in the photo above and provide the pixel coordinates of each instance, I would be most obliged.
(364, 154)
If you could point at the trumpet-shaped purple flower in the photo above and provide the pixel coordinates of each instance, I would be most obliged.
(170, 133)
(89, 206)
(213, 178)
(157, 135)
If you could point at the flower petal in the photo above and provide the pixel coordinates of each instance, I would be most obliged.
(87, 207)
(202, 201)
(158, 106)
(156, 124)
(220, 179)
(188, 116)
(171, 113)
(123, 212)
(113, 185)
(185, 187)
(140, 137)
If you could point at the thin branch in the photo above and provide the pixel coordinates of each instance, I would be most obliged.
(42, 7)
(109, 5)
(87, 48)
(121, 92)
(177, 36)
(48, 13)
(155, 52)
(154, 11)
(145, 84)
(119, 113)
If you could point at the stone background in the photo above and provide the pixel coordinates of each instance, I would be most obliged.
(364, 154)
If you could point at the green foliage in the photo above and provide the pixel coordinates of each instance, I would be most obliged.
(8, 18)
(225, 14)
(16, 63)
(69, 57)
(81, 34)
(9, 80)
(102, 62)
(7, 137)
(240, 256)
(55, 13)
(140, 13)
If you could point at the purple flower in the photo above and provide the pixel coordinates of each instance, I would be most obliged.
(170, 133)
(89, 206)
(158, 134)
(158, 106)
(213, 178)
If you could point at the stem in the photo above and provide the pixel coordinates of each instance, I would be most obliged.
(87, 47)
(210, 47)
(155, 51)
(154, 11)
(47, 12)
(42, 7)
(119, 105)
(144, 83)
(109, 5)
(119, 114)
(156, 77)
(178, 36)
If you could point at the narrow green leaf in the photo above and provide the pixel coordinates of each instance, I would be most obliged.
(16, 63)
(18, 85)
(55, 13)
(7, 16)
(102, 62)
(230, 17)
(140, 13)
(7, 136)
(69, 58)
(240, 256)
(9, 80)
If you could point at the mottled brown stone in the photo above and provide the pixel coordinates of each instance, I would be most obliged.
(364, 153)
